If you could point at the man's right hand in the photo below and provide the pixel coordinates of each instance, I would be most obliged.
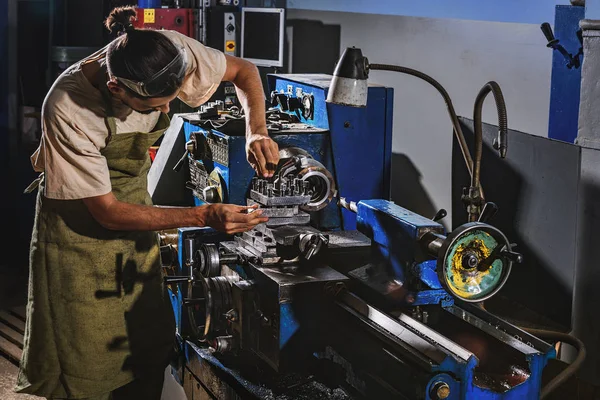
(231, 219)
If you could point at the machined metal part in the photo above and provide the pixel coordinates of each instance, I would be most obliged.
(301, 219)
(279, 245)
(348, 205)
(309, 175)
(429, 344)
(472, 262)
(223, 344)
(271, 201)
(310, 244)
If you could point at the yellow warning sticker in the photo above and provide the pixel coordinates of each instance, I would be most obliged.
(149, 15)
(230, 45)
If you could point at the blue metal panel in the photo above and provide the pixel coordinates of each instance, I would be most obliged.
(238, 174)
(361, 138)
(566, 83)
(395, 232)
(288, 324)
(386, 223)
(320, 118)
(361, 149)
(427, 274)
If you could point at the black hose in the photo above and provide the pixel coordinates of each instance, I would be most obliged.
(478, 126)
(572, 368)
(453, 117)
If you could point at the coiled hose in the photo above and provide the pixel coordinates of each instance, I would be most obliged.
(561, 378)
(453, 117)
(502, 144)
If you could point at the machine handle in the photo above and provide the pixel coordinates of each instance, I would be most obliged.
(179, 164)
(439, 215)
(190, 148)
(512, 256)
(176, 279)
(547, 31)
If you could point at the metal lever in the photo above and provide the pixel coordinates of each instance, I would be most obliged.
(489, 210)
(553, 43)
(176, 279)
(547, 31)
(512, 256)
(439, 215)
(190, 147)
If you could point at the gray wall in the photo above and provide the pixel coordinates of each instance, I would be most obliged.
(462, 55)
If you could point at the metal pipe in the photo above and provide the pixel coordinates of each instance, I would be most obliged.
(435, 245)
(501, 143)
(572, 368)
(342, 202)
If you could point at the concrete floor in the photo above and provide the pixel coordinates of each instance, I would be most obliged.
(8, 377)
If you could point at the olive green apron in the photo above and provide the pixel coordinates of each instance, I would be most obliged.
(97, 312)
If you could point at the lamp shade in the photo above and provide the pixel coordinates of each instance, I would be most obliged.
(349, 83)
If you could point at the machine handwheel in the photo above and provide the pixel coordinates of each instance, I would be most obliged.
(210, 299)
(474, 262)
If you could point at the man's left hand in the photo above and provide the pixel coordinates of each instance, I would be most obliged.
(263, 154)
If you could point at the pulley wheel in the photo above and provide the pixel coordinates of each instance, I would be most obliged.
(213, 299)
(209, 263)
(471, 265)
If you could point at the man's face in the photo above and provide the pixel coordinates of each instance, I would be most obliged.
(142, 105)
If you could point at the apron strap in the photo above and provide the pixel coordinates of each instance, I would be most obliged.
(35, 184)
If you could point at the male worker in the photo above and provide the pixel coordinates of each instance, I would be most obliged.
(98, 323)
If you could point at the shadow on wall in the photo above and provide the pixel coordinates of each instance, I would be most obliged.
(407, 189)
(535, 188)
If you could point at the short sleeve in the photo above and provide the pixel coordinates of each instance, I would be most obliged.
(74, 168)
(206, 68)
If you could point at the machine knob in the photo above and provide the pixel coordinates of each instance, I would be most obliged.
(230, 28)
(439, 215)
(440, 391)
(211, 194)
(311, 244)
(308, 106)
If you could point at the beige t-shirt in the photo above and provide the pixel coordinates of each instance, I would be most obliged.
(74, 130)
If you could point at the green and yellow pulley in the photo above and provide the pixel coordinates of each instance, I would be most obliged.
(475, 261)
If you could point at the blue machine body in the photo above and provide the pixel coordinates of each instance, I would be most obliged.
(354, 144)
(566, 83)
(395, 232)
